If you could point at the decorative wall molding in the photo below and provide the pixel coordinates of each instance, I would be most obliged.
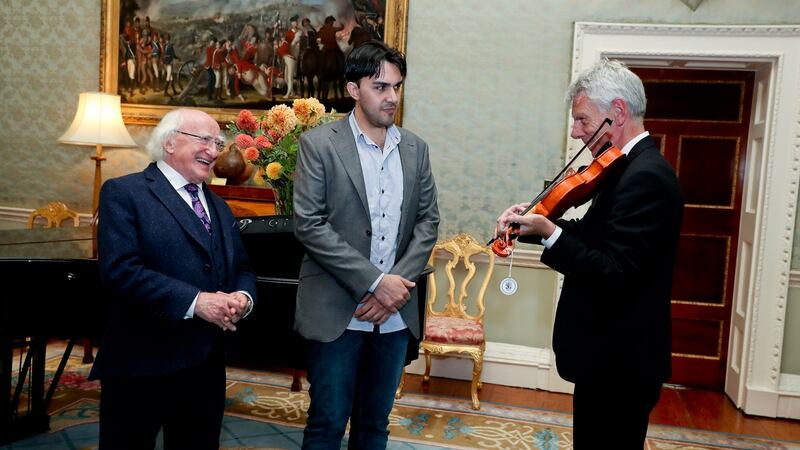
(15, 215)
(20, 216)
(790, 383)
(688, 30)
(522, 258)
(794, 278)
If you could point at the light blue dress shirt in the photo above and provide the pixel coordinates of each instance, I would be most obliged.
(383, 180)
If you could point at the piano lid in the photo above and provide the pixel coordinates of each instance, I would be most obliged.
(46, 243)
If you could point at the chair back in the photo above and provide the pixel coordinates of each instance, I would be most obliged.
(462, 248)
(55, 213)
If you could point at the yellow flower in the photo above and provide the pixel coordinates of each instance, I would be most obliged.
(308, 111)
(281, 118)
(274, 170)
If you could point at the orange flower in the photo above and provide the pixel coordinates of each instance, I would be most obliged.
(251, 153)
(281, 118)
(308, 111)
(247, 121)
(273, 135)
(274, 170)
(244, 141)
(263, 142)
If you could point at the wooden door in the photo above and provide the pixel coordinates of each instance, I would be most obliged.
(700, 119)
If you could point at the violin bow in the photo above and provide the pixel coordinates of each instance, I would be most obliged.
(590, 143)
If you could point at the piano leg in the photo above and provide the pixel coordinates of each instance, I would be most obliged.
(88, 348)
(15, 422)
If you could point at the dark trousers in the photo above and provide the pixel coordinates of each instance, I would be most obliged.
(612, 415)
(187, 404)
(354, 377)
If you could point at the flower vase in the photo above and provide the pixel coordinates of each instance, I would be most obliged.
(232, 166)
(282, 190)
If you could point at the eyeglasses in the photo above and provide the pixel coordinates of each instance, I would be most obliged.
(207, 140)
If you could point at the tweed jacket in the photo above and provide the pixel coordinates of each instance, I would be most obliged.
(155, 256)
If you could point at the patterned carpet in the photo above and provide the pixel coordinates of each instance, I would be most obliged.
(262, 413)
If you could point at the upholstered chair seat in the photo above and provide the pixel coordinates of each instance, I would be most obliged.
(454, 330)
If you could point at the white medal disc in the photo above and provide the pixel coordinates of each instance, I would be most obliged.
(508, 286)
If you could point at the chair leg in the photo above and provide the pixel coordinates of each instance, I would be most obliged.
(476, 379)
(399, 393)
(427, 376)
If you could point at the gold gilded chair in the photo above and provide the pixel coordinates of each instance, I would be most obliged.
(458, 327)
(55, 213)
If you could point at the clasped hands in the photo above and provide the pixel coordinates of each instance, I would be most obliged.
(221, 309)
(391, 295)
(529, 224)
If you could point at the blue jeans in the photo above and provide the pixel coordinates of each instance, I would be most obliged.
(354, 377)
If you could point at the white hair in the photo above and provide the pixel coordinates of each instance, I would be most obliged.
(171, 122)
(606, 81)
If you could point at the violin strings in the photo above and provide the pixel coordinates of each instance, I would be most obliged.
(592, 141)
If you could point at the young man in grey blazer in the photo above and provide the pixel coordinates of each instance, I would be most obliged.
(365, 210)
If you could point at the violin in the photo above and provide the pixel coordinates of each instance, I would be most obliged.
(569, 189)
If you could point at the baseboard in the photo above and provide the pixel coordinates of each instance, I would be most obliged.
(761, 402)
(504, 364)
(789, 396)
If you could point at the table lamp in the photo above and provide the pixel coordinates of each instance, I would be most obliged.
(98, 122)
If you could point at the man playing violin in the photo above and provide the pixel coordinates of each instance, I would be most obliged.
(611, 335)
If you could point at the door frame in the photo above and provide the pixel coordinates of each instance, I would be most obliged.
(767, 222)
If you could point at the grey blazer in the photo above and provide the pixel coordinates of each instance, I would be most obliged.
(331, 219)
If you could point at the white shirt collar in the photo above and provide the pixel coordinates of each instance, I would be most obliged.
(627, 148)
(175, 179)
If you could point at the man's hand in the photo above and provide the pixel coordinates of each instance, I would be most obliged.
(219, 308)
(392, 292)
(372, 311)
(535, 224)
(237, 306)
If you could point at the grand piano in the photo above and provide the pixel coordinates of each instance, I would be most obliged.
(53, 290)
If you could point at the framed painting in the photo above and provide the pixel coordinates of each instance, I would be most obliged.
(226, 55)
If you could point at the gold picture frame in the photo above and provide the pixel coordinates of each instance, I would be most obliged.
(395, 27)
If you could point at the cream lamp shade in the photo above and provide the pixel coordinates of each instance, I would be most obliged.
(98, 121)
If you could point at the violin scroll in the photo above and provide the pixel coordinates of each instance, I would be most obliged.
(504, 245)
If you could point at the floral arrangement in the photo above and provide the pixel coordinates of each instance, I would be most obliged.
(270, 142)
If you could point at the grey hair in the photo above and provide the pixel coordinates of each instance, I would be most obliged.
(607, 80)
(168, 124)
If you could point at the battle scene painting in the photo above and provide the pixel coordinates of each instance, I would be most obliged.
(237, 53)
